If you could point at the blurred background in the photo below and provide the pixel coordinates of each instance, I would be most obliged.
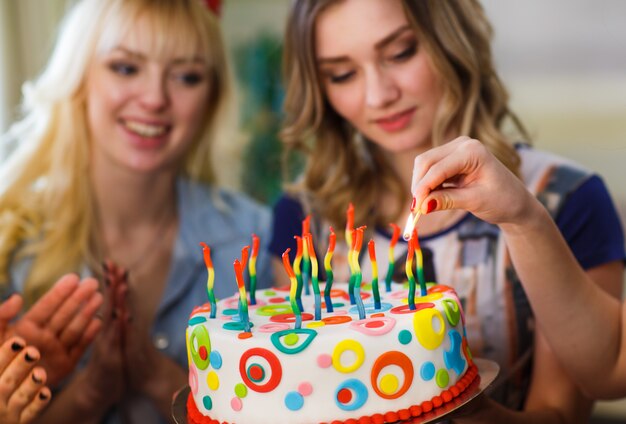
(564, 62)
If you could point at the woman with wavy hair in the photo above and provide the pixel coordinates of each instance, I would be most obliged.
(373, 84)
(113, 162)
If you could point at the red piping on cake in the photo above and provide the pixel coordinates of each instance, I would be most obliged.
(196, 417)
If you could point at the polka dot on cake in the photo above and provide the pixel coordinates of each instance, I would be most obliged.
(207, 402)
(305, 389)
(324, 360)
(405, 337)
(236, 404)
(294, 401)
(241, 390)
(216, 360)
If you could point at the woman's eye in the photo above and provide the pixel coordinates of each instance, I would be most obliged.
(189, 78)
(340, 78)
(122, 68)
(406, 53)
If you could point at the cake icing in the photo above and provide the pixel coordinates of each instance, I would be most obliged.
(394, 364)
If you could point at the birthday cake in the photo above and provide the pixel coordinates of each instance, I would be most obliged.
(348, 354)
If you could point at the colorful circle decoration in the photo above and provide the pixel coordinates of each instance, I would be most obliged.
(387, 386)
(268, 366)
(235, 326)
(427, 335)
(212, 380)
(453, 312)
(352, 346)
(406, 309)
(196, 320)
(427, 371)
(273, 327)
(215, 359)
(241, 391)
(271, 310)
(200, 347)
(290, 317)
(351, 395)
(370, 308)
(405, 337)
(207, 402)
(193, 379)
(374, 326)
(294, 401)
(324, 360)
(429, 297)
(286, 340)
(442, 378)
(305, 389)
(236, 404)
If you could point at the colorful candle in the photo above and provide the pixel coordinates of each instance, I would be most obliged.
(206, 252)
(252, 268)
(392, 260)
(296, 267)
(314, 277)
(332, 240)
(371, 246)
(351, 265)
(357, 272)
(349, 224)
(245, 252)
(243, 296)
(419, 263)
(293, 289)
(306, 259)
(409, 274)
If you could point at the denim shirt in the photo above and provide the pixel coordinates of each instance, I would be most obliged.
(225, 221)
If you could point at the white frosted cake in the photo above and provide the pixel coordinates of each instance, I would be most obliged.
(394, 364)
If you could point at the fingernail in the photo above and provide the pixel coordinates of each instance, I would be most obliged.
(37, 379)
(413, 203)
(29, 358)
(43, 396)
(16, 347)
(432, 205)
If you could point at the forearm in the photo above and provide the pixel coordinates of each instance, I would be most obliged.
(570, 308)
(78, 402)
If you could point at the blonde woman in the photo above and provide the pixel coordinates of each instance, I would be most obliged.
(113, 161)
(372, 84)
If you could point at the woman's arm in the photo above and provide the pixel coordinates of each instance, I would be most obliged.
(583, 324)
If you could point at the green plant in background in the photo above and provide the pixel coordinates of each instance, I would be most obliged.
(258, 69)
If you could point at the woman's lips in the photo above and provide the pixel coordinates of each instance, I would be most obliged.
(396, 122)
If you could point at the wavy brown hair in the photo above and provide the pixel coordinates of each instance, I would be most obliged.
(340, 167)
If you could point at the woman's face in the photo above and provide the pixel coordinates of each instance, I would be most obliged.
(375, 73)
(143, 110)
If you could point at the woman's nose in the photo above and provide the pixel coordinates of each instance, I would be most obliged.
(380, 88)
(154, 94)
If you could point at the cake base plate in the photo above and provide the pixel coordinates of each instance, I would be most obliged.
(487, 372)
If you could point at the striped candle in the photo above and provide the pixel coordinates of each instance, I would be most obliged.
(252, 268)
(409, 274)
(293, 289)
(206, 252)
(419, 263)
(332, 240)
(357, 272)
(296, 267)
(243, 296)
(306, 259)
(314, 277)
(371, 246)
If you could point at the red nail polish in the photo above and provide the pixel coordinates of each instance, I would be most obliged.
(413, 204)
(432, 205)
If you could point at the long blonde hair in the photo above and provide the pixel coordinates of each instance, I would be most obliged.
(341, 166)
(46, 205)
